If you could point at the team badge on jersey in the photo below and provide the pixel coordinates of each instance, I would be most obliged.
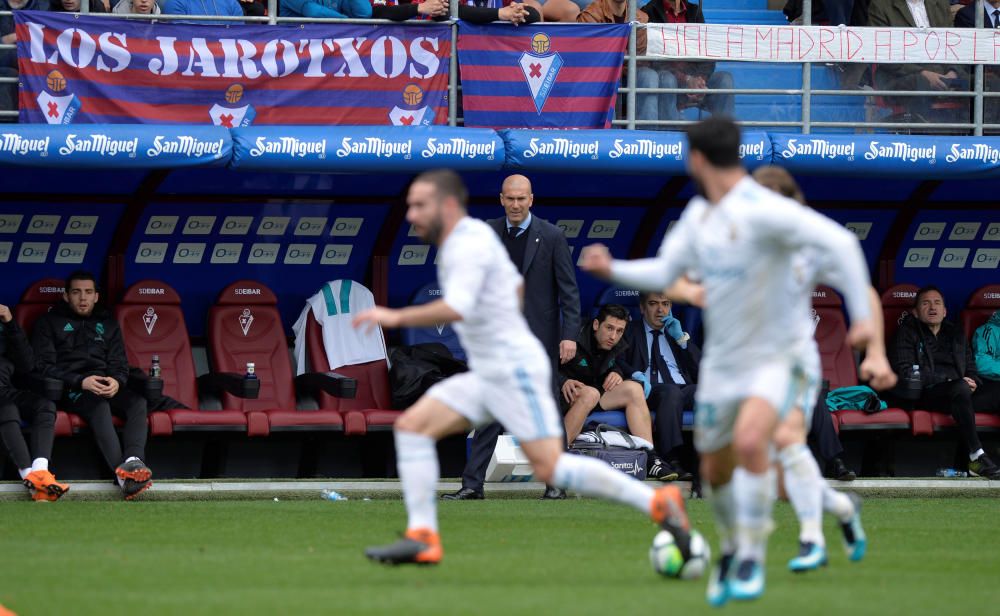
(149, 320)
(411, 113)
(246, 320)
(58, 108)
(233, 117)
(540, 66)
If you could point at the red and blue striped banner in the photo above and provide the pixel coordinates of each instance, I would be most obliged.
(92, 70)
(540, 76)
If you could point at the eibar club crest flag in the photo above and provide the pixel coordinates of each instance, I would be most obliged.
(540, 76)
(79, 69)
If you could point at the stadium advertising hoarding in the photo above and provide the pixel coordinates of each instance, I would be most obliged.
(78, 69)
(615, 151)
(763, 43)
(144, 147)
(382, 148)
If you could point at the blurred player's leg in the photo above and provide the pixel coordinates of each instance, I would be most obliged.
(716, 473)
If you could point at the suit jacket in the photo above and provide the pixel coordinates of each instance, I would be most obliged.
(637, 352)
(896, 14)
(550, 290)
(966, 17)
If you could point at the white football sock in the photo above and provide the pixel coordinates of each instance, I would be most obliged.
(724, 508)
(24, 472)
(419, 471)
(754, 496)
(804, 486)
(592, 477)
(40, 464)
(975, 454)
(837, 503)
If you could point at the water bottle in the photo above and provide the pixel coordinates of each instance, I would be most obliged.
(251, 371)
(154, 368)
(914, 383)
(950, 472)
(332, 495)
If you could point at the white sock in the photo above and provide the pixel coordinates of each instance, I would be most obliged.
(121, 482)
(837, 504)
(592, 477)
(24, 472)
(724, 508)
(40, 464)
(804, 485)
(419, 471)
(975, 454)
(754, 496)
(130, 458)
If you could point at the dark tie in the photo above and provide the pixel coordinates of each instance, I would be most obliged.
(658, 371)
(996, 18)
(513, 232)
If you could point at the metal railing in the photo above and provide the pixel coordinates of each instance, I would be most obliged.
(629, 90)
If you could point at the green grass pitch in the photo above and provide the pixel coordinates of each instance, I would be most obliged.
(927, 556)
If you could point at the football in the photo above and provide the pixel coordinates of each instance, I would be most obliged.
(667, 556)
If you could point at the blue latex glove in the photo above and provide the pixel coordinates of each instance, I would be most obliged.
(674, 329)
(641, 378)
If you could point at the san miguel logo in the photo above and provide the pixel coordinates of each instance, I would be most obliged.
(246, 320)
(411, 113)
(233, 117)
(57, 108)
(149, 320)
(540, 66)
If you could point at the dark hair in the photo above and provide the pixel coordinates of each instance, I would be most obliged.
(446, 183)
(79, 275)
(718, 138)
(644, 296)
(616, 311)
(924, 291)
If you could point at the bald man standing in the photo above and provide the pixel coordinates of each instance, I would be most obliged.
(551, 306)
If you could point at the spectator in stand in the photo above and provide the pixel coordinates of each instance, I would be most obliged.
(8, 57)
(966, 18)
(830, 12)
(81, 344)
(15, 404)
(337, 9)
(481, 12)
(222, 8)
(660, 348)
(137, 7)
(947, 370)
(614, 12)
(986, 348)
(671, 75)
(923, 77)
(598, 378)
(73, 6)
(254, 8)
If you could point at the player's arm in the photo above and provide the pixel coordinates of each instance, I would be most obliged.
(425, 315)
(654, 274)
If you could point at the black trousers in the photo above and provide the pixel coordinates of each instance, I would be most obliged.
(822, 437)
(97, 412)
(954, 397)
(669, 402)
(39, 413)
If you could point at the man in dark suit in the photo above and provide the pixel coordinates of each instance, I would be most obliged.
(551, 306)
(659, 348)
(929, 77)
(966, 18)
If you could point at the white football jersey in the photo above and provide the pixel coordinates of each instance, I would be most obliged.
(742, 249)
(479, 282)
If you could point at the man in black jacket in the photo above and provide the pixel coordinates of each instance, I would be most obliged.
(81, 344)
(598, 378)
(551, 306)
(672, 373)
(17, 404)
(947, 370)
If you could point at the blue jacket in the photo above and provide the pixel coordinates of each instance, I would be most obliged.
(229, 8)
(339, 9)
